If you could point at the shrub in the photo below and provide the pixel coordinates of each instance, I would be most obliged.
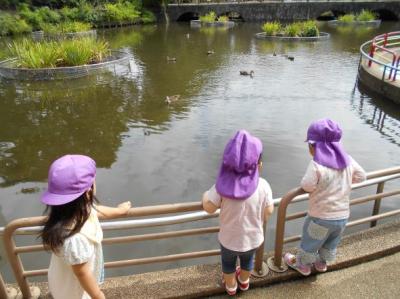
(11, 25)
(348, 18)
(208, 18)
(43, 54)
(293, 30)
(121, 12)
(148, 17)
(66, 27)
(47, 15)
(366, 15)
(31, 17)
(223, 19)
(309, 29)
(271, 28)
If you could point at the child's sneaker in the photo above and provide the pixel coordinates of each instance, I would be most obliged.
(243, 286)
(229, 291)
(320, 266)
(290, 260)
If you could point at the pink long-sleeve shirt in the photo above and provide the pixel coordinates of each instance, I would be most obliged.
(330, 189)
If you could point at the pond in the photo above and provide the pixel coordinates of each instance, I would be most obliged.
(153, 153)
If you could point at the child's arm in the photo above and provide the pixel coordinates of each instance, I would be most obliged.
(310, 180)
(87, 280)
(208, 206)
(109, 212)
(359, 174)
(268, 212)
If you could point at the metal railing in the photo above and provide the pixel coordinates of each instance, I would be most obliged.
(383, 43)
(378, 178)
(193, 212)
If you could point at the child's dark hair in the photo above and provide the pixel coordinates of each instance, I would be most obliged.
(260, 158)
(66, 220)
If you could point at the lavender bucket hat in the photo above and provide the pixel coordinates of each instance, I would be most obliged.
(238, 175)
(69, 177)
(325, 134)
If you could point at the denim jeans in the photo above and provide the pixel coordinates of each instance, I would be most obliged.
(320, 239)
(229, 258)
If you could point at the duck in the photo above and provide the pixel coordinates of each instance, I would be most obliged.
(187, 35)
(246, 73)
(210, 52)
(172, 99)
(173, 59)
(146, 132)
(291, 58)
(274, 54)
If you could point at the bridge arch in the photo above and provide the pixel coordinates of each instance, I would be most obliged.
(386, 15)
(329, 15)
(188, 16)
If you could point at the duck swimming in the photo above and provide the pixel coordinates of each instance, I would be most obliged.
(172, 99)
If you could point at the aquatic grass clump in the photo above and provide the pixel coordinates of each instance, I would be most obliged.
(366, 16)
(208, 18)
(271, 28)
(298, 29)
(12, 25)
(35, 55)
(66, 27)
(347, 18)
(223, 19)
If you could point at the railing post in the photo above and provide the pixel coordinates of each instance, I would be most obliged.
(15, 262)
(260, 267)
(377, 203)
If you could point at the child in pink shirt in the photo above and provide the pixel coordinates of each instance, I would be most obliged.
(328, 179)
(245, 201)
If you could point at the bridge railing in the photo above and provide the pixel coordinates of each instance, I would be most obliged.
(195, 2)
(297, 195)
(377, 50)
(182, 213)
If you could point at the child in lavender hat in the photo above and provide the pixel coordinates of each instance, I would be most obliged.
(72, 230)
(328, 179)
(246, 202)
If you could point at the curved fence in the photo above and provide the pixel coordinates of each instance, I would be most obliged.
(183, 213)
(382, 51)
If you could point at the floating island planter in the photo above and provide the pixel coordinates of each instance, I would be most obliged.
(299, 31)
(64, 59)
(65, 30)
(211, 20)
(364, 18)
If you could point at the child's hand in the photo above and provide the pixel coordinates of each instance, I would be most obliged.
(124, 207)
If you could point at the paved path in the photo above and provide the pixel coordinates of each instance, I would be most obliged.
(377, 279)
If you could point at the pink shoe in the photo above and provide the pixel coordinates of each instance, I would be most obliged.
(243, 286)
(320, 266)
(290, 260)
(229, 291)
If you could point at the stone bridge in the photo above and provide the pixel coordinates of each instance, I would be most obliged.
(283, 11)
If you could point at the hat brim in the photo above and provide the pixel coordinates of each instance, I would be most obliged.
(231, 185)
(53, 199)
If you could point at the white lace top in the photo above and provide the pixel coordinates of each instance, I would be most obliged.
(83, 247)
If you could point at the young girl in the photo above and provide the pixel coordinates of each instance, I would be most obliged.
(328, 179)
(72, 231)
(245, 201)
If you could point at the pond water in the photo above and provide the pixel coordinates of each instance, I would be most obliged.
(153, 153)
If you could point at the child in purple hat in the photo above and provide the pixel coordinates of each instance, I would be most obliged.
(246, 202)
(328, 179)
(72, 230)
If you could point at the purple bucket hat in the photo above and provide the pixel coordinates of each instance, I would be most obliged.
(69, 177)
(326, 135)
(238, 175)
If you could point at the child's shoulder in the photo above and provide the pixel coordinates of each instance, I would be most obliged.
(263, 183)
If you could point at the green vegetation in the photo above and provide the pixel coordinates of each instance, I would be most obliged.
(119, 12)
(11, 24)
(66, 27)
(271, 28)
(208, 18)
(363, 16)
(297, 29)
(366, 15)
(44, 54)
(223, 19)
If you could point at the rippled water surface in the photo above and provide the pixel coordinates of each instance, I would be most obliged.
(153, 153)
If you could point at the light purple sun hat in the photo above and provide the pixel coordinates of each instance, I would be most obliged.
(238, 175)
(69, 177)
(325, 134)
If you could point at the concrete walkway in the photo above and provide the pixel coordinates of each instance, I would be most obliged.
(376, 279)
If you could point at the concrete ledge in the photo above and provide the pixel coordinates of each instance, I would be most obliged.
(204, 280)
